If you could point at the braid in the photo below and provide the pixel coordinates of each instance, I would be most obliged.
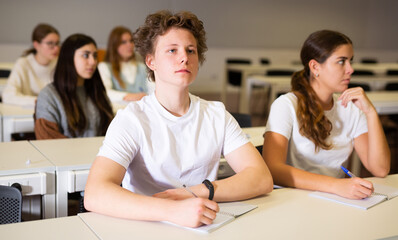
(313, 124)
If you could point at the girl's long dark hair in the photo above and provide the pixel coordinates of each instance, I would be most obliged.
(65, 82)
(312, 121)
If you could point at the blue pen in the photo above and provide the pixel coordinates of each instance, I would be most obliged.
(347, 172)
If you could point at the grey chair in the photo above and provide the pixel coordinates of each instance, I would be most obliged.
(4, 73)
(10, 204)
(235, 77)
(244, 120)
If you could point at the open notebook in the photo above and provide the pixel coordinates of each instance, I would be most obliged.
(381, 193)
(228, 212)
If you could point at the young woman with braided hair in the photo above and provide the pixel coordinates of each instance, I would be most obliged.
(311, 132)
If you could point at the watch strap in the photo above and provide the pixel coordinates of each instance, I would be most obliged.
(209, 186)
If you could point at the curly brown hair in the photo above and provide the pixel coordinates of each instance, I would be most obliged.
(157, 24)
(313, 123)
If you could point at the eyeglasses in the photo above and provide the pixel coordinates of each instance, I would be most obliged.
(52, 45)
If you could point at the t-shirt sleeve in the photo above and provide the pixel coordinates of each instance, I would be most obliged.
(281, 116)
(118, 145)
(361, 125)
(234, 136)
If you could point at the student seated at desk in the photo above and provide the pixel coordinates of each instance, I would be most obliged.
(75, 104)
(170, 138)
(125, 78)
(311, 132)
(35, 69)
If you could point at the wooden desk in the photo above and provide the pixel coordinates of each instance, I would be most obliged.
(385, 102)
(72, 159)
(283, 214)
(19, 119)
(15, 119)
(37, 177)
(58, 228)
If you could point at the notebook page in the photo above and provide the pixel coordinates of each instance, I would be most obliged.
(235, 208)
(390, 192)
(365, 203)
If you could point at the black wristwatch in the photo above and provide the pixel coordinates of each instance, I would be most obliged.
(209, 186)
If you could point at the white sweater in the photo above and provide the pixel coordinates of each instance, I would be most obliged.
(26, 80)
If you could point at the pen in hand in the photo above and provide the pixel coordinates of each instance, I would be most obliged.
(189, 190)
(350, 174)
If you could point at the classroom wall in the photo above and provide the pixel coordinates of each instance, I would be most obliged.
(274, 28)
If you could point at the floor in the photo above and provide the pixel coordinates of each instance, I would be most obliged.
(259, 113)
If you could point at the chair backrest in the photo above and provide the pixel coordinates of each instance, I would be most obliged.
(392, 72)
(265, 61)
(244, 120)
(364, 86)
(279, 72)
(10, 205)
(238, 61)
(4, 73)
(362, 73)
(392, 86)
(101, 54)
(369, 60)
(235, 77)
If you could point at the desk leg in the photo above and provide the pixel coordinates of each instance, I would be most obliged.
(224, 87)
(245, 94)
(62, 194)
(49, 204)
(1, 129)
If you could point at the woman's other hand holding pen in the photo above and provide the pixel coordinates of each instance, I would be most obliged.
(353, 188)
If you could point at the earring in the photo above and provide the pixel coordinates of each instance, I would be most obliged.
(317, 75)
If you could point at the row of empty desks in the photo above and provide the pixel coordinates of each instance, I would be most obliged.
(282, 84)
(283, 214)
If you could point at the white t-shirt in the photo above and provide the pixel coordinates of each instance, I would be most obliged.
(129, 72)
(348, 123)
(161, 151)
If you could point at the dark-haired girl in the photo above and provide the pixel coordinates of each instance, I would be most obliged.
(75, 104)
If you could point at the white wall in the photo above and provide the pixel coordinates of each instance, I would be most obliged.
(252, 28)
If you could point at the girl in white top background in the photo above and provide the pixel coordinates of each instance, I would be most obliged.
(35, 69)
(311, 132)
(124, 77)
(171, 138)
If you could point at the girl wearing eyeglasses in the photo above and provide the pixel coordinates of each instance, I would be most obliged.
(124, 77)
(75, 104)
(34, 70)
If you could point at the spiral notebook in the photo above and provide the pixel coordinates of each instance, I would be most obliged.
(228, 212)
(381, 193)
